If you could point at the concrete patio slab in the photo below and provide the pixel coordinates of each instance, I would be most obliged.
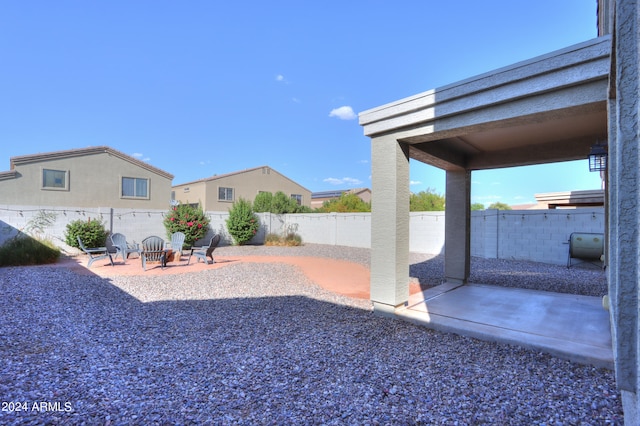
(568, 326)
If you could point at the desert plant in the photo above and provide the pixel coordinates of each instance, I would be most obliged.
(91, 232)
(272, 239)
(188, 219)
(288, 238)
(38, 223)
(25, 250)
(292, 239)
(242, 224)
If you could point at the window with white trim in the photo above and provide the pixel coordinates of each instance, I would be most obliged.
(55, 179)
(135, 187)
(225, 194)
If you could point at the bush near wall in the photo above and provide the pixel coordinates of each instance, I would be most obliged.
(91, 232)
(242, 224)
(189, 220)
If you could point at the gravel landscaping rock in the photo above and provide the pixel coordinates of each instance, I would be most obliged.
(259, 344)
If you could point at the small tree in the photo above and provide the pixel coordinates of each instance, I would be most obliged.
(282, 204)
(277, 203)
(427, 200)
(188, 219)
(348, 202)
(91, 232)
(262, 202)
(242, 224)
(499, 206)
(477, 206)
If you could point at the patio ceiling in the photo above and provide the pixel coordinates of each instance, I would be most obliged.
(547, 109)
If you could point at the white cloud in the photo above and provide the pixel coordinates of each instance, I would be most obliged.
(141, 157)
(282, 79)
(363, 161)
(343, 113)
(343, 181)
(414, 182)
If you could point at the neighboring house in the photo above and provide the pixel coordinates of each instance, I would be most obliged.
(86, 177)
(318, 198)
(565, 200)
(570, 199)
(218, 192)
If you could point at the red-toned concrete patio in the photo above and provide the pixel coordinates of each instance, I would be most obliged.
(339, 276)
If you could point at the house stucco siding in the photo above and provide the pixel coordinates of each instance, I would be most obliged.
(93, 178)
(246, 184)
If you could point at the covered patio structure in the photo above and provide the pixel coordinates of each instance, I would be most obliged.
(548, 109)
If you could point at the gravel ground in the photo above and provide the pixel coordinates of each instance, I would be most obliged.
(584, 279)
(259, 344)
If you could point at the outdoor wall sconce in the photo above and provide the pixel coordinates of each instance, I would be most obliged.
(598, 157)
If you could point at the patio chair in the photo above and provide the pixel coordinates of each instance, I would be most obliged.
(177, 241)
(153, 250)
(95, 253)
(123, 248)
(205, 251)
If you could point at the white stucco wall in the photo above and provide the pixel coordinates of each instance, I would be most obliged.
(536, 235)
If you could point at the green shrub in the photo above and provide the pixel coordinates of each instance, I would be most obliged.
(278, 203)
(348, 202)
(91, 232)
(188, 219)
(25, 250)
(242, 224)
(262, 202)
(427, 201)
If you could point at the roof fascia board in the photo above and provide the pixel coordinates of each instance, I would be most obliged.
(226, 175)
(571, 66)
(34, 158)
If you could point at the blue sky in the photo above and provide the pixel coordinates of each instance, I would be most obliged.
(199, 88)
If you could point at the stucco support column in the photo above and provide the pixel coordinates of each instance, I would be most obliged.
(624, 204)
(389, 224)
(457, 234)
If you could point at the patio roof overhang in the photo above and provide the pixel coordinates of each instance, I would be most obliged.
(547, 109)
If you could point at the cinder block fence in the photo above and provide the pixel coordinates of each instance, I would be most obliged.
(536, 235)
